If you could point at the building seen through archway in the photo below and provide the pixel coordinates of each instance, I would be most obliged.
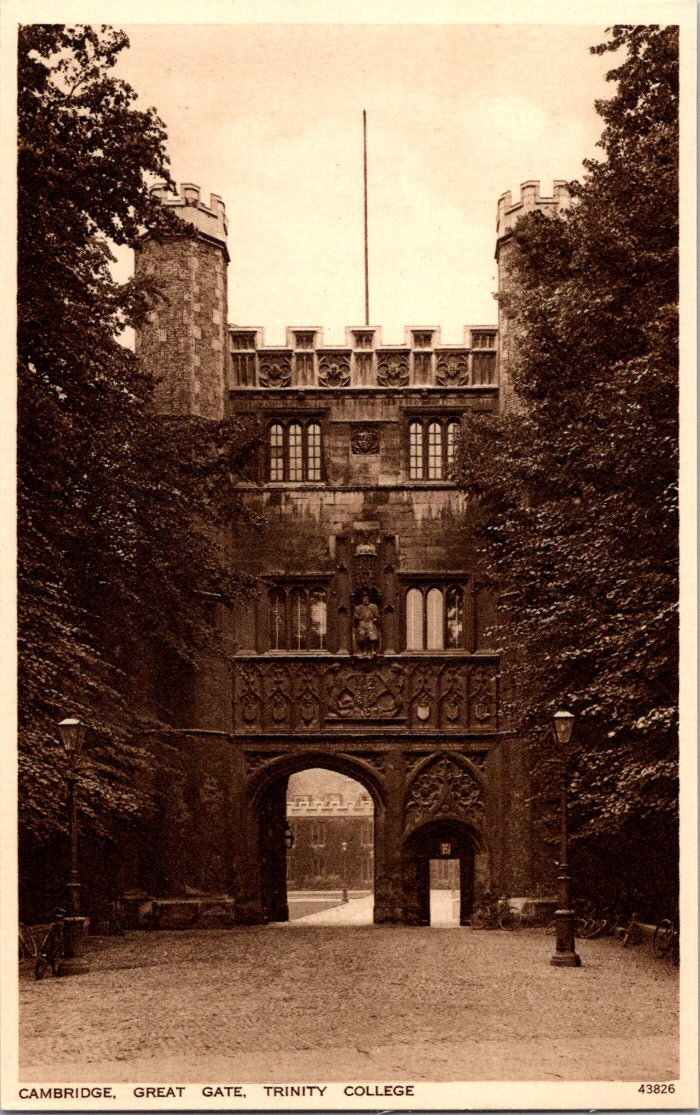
(331, 822)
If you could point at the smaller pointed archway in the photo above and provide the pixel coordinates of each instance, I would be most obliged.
(445, 838)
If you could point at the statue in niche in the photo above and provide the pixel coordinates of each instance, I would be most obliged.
(366, 626)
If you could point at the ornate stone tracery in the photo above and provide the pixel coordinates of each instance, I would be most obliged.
(275, 369)
(277, 695)
(444, 788)
(248, 696)
(376, 694)
(452, 369)
(334, 369)
(392, 369)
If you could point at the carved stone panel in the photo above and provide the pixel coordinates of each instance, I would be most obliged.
(304, 364)
(275, 369)
(363, 338)
(307, 700)
(378, 759)
(363, 367)
(424, 700)
(365, 694)
(304, 339)
(452, 369)
(422, 366)
(278, 697)
(365, 440)
(452, 697)
(483, 697)
(423, 338)
(334, 369)
(293, 695)
(248, 702)
(392, 369)
(444, 788)
(243, 364)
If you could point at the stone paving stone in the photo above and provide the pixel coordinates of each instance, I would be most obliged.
(366, 1002)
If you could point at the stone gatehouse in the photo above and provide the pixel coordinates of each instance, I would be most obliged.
(367, 650)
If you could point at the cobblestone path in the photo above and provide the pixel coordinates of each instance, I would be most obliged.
(366, 1003)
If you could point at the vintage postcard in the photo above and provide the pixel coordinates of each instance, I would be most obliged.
(355, 382)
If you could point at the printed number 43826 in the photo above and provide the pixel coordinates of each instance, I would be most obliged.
(656, 1089)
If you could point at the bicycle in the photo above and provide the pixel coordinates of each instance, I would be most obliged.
(495, 914)
(53, 947)
(632, 934)
(580, 927)
(666, 940)
(28, 948)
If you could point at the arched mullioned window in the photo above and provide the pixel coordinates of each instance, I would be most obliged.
(435, 618)
(415, 639)
(431, 446)
(278, 619)
(276, 469)
(298, 618)
(451, 431)
(415, 434)
(313, 451)
(294, 450)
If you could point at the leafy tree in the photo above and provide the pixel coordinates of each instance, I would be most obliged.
(112, 499)
(578, 479)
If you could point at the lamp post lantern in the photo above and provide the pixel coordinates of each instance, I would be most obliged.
(72, 732)
(565, 955)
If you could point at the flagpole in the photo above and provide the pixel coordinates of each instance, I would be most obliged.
(364, 138)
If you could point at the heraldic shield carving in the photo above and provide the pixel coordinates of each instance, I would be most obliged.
(444, 789)
(365, 695)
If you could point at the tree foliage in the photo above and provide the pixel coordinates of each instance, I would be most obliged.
(578, 481)
(118, 508)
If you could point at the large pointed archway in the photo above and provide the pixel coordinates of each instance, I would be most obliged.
(262, 868)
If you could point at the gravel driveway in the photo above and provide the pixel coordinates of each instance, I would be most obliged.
(336, 1003)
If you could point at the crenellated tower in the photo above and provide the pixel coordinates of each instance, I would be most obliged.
(184, 343)
(509, 213)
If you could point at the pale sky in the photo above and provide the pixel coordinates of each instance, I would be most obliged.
(270, 118)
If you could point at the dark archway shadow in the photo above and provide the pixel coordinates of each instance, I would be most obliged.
(442, 838)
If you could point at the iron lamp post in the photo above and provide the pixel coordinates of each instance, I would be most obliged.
(72, 732)
(344, 848)
(565, 955)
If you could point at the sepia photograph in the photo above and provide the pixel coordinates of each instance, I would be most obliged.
(353, 667)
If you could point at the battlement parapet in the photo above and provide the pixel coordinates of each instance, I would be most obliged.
(208, 219)
(509, 212)
(329, 805)
(362, 361)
